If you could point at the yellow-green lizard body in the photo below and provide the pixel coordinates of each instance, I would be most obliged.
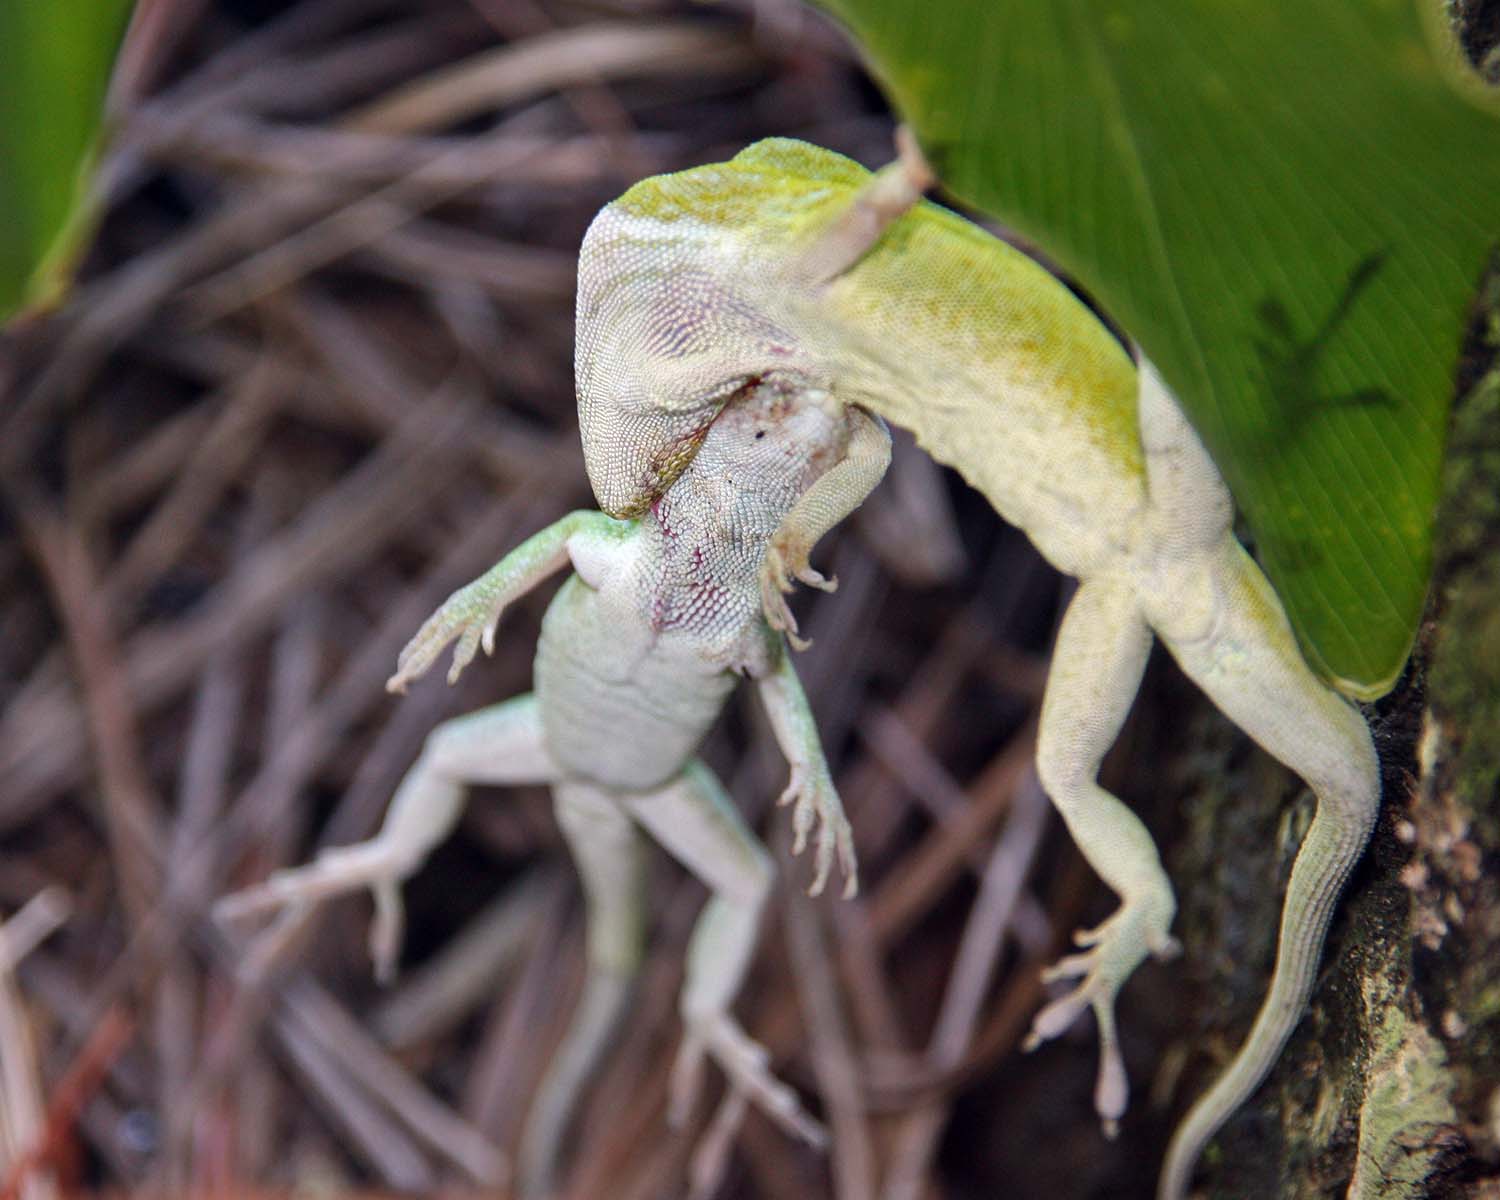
(793, 263)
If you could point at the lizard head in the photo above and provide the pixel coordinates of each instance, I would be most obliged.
(676, 287)
(664, 343)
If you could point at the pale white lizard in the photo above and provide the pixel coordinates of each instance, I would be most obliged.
(794, 263)
(638, 653)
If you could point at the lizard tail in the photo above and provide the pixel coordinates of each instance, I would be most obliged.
(604, 996)
(1332, 846)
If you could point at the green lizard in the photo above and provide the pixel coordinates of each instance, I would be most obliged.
(794, 264)
(638, 653)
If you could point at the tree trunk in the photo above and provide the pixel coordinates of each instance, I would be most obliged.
(1391, 1086)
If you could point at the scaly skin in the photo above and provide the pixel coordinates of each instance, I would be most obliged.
(638, 653)
(793, 262)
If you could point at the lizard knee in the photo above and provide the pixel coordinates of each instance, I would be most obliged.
(725, 935)
(1347, 784)
(759, 880)
(1065, 777)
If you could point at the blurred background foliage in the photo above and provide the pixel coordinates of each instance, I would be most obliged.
(55, 63)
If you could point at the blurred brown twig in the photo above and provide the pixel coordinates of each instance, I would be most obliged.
(318, 373)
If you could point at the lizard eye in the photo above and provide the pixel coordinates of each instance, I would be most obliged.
(759, 433)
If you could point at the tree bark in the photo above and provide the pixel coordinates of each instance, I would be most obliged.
(1391, 1086)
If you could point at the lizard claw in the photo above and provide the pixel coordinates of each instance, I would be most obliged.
(785, 560)
(815, 578)
(746, 1063)
(1110, 953)
(778, 613)
(817, 804)
(463, 653)
(369, 864)
(470, 615)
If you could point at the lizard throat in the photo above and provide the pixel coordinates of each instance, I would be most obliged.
(664, 469)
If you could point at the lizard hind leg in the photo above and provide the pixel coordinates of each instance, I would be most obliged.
(610, 855)
(500, 744)
(1250, 667)
(695, 821)
(1096, 668)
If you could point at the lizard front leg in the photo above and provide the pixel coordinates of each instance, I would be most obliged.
(1096, 669)
(810, 790)
(833, 496)
(472, 613)
(695, 821)
(503, 744)
(885, 199)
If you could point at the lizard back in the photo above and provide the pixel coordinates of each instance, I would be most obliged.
(999, 370)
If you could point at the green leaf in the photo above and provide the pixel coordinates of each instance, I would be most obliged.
(1288, 204)
(55, 61)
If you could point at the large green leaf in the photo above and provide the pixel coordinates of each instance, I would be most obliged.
(1288, 203)
(55, 60)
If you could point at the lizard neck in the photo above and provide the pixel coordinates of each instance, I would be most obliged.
(706, 558)
(711, 530)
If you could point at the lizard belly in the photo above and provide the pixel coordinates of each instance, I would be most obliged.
(1075, 503)
(620, 706)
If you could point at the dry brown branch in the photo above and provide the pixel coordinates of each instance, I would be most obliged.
(464, 975)
(50, 1147)
(131, 813)
(834, 1063)
(23, 1122)
(974, 966)
(317, 375)
(550, 61)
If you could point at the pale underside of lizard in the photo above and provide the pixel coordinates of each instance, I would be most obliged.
(639, 651)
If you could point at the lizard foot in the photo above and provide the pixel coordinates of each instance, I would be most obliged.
(470, 615)
(785, 561)
(745, 1062)
(369, 864)
(817, 803)
(1111, 952)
